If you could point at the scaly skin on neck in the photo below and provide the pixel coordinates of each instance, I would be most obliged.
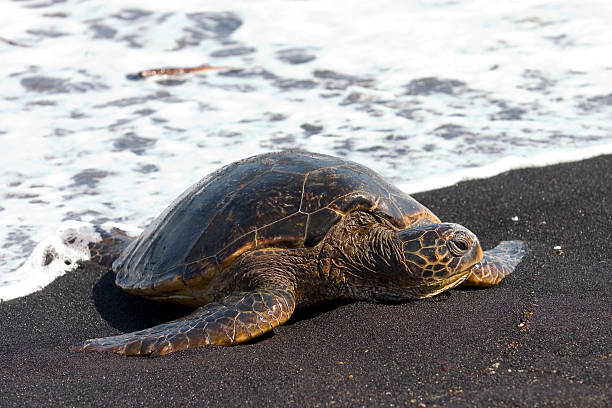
(366, 255)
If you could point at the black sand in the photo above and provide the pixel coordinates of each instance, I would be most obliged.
(542, 338)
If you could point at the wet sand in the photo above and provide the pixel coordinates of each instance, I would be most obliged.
(540, 338)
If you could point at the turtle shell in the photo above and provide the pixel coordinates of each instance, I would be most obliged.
(287, 199)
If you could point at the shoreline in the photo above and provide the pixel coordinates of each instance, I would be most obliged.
(541, 337)
(505, 164)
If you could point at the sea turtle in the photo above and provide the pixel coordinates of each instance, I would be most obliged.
(252, 241)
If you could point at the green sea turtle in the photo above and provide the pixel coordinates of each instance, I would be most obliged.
(252, 241)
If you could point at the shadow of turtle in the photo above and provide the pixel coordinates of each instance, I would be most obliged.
(129, 313)
(307, 313)
(303, 314)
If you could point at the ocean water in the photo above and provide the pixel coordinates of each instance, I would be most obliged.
(425, 92)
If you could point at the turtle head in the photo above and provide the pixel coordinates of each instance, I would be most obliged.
(438, 256)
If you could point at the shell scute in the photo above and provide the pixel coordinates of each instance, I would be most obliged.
(413, 213)
(319, 222)
(236, 248)
(267, 199)
(286, 233)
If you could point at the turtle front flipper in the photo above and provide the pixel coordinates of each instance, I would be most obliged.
(496, 264)
(235, 319)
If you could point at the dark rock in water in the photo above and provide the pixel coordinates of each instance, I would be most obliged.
(171, 82)
(208, 25)
(118, 123)
(102, 31)
(354, 97)
(537, 82)
(89, 177)
(253, 72)
(59, 14)
(49, 255)
(147, 168)
(77, 115)
(62, 132)
(333, 80)
(602, 99)
(295, 84)
(145, 112)
(133, 41)
(407, 113)
(329, 74)
(52, 85)
(136, 144)
(47, 33)
(509, 114)
(42, 103)
(19, 237)
(228, 134)
(596, 103)
(451, 131)
(41, 4)
(94, 216)
(132, 14)
(274, 117)
(281, 141)
(295, 56)
(216, 24)
(432, 85)
(136, 100)
(232, 52)
(311, 129)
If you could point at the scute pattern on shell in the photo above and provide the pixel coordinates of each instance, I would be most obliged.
(287, 199)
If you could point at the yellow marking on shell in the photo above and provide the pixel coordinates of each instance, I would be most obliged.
(230, 259)
(418, 218)
(303, 189)
(172, 284)
(184, 297)
(340, 213)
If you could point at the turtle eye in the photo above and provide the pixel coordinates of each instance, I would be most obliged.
(459, 244)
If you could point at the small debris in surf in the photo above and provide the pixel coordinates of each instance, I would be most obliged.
(172, 71)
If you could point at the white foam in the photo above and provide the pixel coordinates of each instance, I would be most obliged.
(57, 254)
(506, 164)
(52, 257)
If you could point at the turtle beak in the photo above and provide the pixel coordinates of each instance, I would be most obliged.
(473, 256)
(480, 253)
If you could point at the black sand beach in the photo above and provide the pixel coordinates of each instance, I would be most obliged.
(541, 338)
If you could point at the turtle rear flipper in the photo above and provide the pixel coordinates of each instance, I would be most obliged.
(235, 319)
(113, 241)
(496, 264)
